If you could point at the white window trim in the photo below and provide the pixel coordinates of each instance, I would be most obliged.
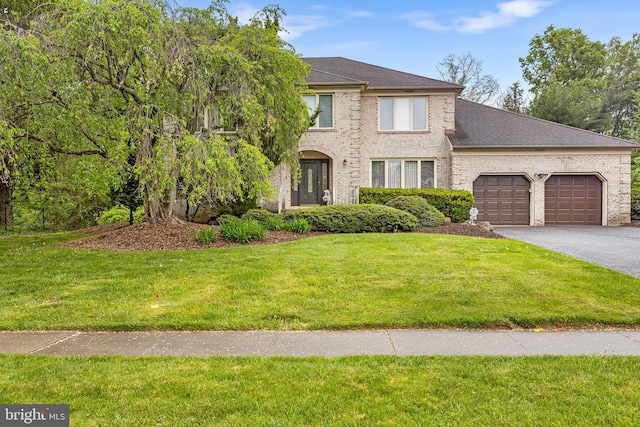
(402, 171)
(316, 125)
(410, 98)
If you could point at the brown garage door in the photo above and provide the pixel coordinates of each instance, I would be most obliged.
(502, 199)
(573, 199)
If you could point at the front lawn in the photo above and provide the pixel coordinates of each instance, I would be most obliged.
(325, 282)
(389, 391)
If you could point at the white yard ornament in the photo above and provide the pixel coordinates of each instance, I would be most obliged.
(473, 214)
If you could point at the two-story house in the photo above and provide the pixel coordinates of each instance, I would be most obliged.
(379, 127)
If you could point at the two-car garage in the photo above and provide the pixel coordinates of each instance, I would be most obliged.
(568, 199)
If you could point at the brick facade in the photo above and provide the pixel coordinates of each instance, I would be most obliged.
(611, 167)
(490, 142)
(355, 138)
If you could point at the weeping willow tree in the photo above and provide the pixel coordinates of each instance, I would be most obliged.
(123, 79)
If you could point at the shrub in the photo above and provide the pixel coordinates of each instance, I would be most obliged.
(635, 203)
(452, 203)
(119, 214)
(206, 235)
(258, 214)
(355, 218)
(427, 215)
(298, 225)
(243, 231)
(274, 223)
(226, 218)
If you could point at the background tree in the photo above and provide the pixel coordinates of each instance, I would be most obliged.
(564, 56)
(571, 104)
(513, 99)
(87, 90)
(468, 71)
(583, 83)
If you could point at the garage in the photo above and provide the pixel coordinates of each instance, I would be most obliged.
(502, 199)
(573, 200)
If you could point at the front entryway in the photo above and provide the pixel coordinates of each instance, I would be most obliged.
(314, 180)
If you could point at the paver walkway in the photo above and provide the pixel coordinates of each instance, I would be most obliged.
(323, 343)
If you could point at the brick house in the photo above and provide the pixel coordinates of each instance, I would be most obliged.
(379, 127)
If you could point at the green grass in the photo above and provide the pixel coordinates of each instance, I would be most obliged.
(326, 282)
(389, 391)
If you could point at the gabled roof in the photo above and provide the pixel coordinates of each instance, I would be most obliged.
(342, 71)
(481, 126)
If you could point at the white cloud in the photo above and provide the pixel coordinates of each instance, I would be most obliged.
(508, 13)
(522, 8)
(297, 25)
(424, 20)
(360, 14)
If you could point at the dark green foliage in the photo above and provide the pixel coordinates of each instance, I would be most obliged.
(226, 218)
(272, 221)
(258, 214)
(128, 195)
(298, 225)
(635, 203)
(275, 223)
(206, 235)
(454, 204)
(427, 215)
(243, 231)
(355, 218)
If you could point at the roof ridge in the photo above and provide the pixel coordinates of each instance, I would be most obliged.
(371, 70)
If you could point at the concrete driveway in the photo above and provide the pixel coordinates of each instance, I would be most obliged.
(617, 248)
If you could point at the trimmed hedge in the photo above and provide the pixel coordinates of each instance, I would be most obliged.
(427, 215)
(635, 203)
(355, 218)
(452, 203)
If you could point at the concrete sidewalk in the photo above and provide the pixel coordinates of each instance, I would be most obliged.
(323, 343)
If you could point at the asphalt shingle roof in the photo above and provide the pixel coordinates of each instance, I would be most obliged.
(481, 126)
(337, 70)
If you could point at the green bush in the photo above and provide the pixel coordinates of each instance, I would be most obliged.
(119, 214)
(259, 215)
(275, 223)
(298, 225)
(226, 218)
(206, 235)
(243, 231)
(635, 203)
(355, 218)
(427, 215)
(452, 203)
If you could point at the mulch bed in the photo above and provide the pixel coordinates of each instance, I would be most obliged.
(180, 236)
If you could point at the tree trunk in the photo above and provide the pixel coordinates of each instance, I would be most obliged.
(5, 205)
(159, 177)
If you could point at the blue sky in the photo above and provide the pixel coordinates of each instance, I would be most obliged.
(414, 36)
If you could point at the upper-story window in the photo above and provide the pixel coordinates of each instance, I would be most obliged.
(324, 104)
(216, 120)
(403, 113)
